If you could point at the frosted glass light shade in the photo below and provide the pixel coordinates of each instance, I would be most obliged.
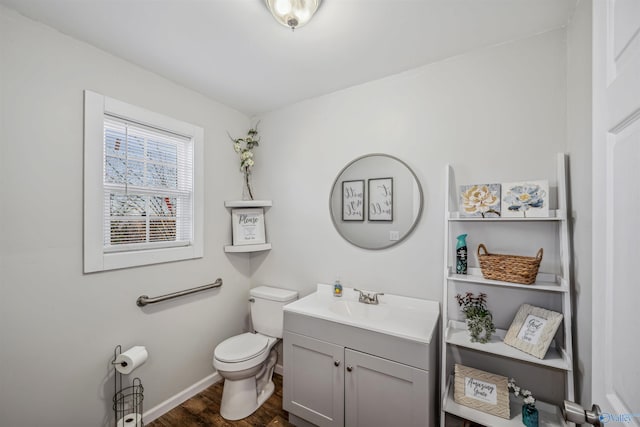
(293, 13)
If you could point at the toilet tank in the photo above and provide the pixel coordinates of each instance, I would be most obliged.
(267, 315)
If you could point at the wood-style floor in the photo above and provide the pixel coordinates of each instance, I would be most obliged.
(203, 410)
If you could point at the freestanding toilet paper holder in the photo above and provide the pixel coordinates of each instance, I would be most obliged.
(127, 401)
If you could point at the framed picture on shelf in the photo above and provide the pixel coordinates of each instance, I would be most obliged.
(247, 226)
(533, 329)
(482, 391)
(480, 201)
(381, 199)
(527, 199)
(353, 200)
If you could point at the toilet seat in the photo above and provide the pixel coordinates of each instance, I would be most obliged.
(248, 350)
(241, 348)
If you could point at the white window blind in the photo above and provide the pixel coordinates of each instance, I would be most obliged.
(148, 187)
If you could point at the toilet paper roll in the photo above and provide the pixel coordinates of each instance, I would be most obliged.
(129, 360)
(130, 420)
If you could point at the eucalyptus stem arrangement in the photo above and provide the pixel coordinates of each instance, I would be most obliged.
(479, 318)
(529, 411)
(244, 147)
(527, 397)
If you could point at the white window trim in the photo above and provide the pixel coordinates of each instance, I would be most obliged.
(95, 256)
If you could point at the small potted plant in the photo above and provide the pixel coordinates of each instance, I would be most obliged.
(478, 317)
(529, 410)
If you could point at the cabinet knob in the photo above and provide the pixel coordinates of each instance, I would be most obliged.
(336, 362)
(349, 368)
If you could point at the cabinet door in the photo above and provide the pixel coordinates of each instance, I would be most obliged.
(382, 393)
(313, 380)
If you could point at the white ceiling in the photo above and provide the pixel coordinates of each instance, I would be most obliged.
(234, 52)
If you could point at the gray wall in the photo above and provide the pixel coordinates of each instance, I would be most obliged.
(58, 327)
(495, 114)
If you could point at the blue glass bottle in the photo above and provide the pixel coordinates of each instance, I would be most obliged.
(529, 415)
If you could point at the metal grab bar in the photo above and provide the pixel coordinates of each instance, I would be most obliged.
(144, 299)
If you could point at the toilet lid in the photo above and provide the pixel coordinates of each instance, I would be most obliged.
(241, 347)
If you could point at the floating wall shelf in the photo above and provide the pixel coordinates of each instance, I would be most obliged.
(247, 204)
(248, 248)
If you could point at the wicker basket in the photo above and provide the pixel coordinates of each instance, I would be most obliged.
(509, 268)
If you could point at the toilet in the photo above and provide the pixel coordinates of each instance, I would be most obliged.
(246, 361)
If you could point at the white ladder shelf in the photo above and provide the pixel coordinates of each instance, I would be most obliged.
(454, 335)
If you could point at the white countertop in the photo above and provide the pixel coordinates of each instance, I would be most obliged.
(404, 317)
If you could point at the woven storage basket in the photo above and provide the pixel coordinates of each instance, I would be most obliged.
(509, 268)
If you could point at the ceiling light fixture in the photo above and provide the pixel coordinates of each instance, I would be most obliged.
(293, 13)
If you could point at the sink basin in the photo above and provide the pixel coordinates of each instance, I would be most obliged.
(410, 318)
(359, 310)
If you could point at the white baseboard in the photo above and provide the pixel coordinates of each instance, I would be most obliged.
(186, 394)
(177, 399)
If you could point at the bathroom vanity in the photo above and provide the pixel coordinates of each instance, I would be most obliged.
(351, 364)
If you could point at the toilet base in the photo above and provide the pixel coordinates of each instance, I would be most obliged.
(266, 393)
(240, 398)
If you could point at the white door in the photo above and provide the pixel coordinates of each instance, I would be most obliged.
(616, 215)
(382, 393)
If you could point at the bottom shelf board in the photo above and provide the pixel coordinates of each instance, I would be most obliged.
(248, 248)
(549, 415)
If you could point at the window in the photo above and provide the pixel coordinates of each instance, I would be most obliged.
(143, 186)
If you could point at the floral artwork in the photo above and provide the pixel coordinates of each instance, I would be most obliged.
(529, 199)
(480, 200)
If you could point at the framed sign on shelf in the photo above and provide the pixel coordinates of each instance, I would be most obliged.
(533, 329)
(248, 226)
(353, 200)
(482, 390)
(381, 199)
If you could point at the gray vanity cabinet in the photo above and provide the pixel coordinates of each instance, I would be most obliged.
(332, 385)
(380, 392)
(314, 390)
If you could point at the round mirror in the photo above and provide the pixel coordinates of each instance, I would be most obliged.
(376, 201)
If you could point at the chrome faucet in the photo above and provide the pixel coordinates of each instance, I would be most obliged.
(368, 298)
